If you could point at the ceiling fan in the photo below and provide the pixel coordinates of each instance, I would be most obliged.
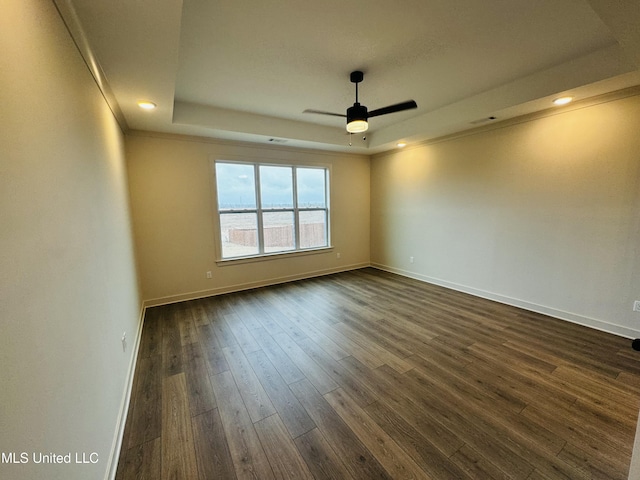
(358, 115)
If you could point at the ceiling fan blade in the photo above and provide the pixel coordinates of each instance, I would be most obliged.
(321, 112)
(398, 107)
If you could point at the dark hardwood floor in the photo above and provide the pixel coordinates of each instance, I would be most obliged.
(370, 375)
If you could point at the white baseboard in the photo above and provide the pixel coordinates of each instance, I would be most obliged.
(594, 323)
(116, 447)
(249, 285)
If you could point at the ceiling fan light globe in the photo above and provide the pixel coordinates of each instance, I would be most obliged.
(357, 126)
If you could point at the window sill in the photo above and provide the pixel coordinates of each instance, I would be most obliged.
(271, 256)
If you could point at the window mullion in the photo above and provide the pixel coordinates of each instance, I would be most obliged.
(256, 176)
(296, 216)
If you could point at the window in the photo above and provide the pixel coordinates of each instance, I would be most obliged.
(266, 209)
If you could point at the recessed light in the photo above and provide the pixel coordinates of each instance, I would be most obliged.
(401, 144)
(147, 105)
(562, 100)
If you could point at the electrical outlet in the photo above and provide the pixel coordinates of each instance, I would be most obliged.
(636, 306)
(410, 259)
(124, 341)
(209, 274)
(338, 255)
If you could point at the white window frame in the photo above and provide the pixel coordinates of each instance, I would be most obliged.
(259, 210)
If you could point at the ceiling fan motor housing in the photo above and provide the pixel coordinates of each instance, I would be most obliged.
(357, 112)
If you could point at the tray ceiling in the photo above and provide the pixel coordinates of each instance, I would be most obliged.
(247, 70)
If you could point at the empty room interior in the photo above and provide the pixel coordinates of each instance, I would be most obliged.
(362, 240)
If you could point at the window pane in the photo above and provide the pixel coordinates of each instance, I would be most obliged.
(236, 186)
(278, 231)
(239, 234)
(276, 187)
(311, 187)
(313, 228)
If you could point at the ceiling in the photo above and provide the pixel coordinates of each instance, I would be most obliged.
(246, 70)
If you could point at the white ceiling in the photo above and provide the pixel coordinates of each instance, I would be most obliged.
(246, 69)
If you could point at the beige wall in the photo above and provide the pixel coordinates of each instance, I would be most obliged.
(172, 206)
(67, 277)
(543, 213)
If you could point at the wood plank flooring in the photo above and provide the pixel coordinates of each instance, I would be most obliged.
(369, 375)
